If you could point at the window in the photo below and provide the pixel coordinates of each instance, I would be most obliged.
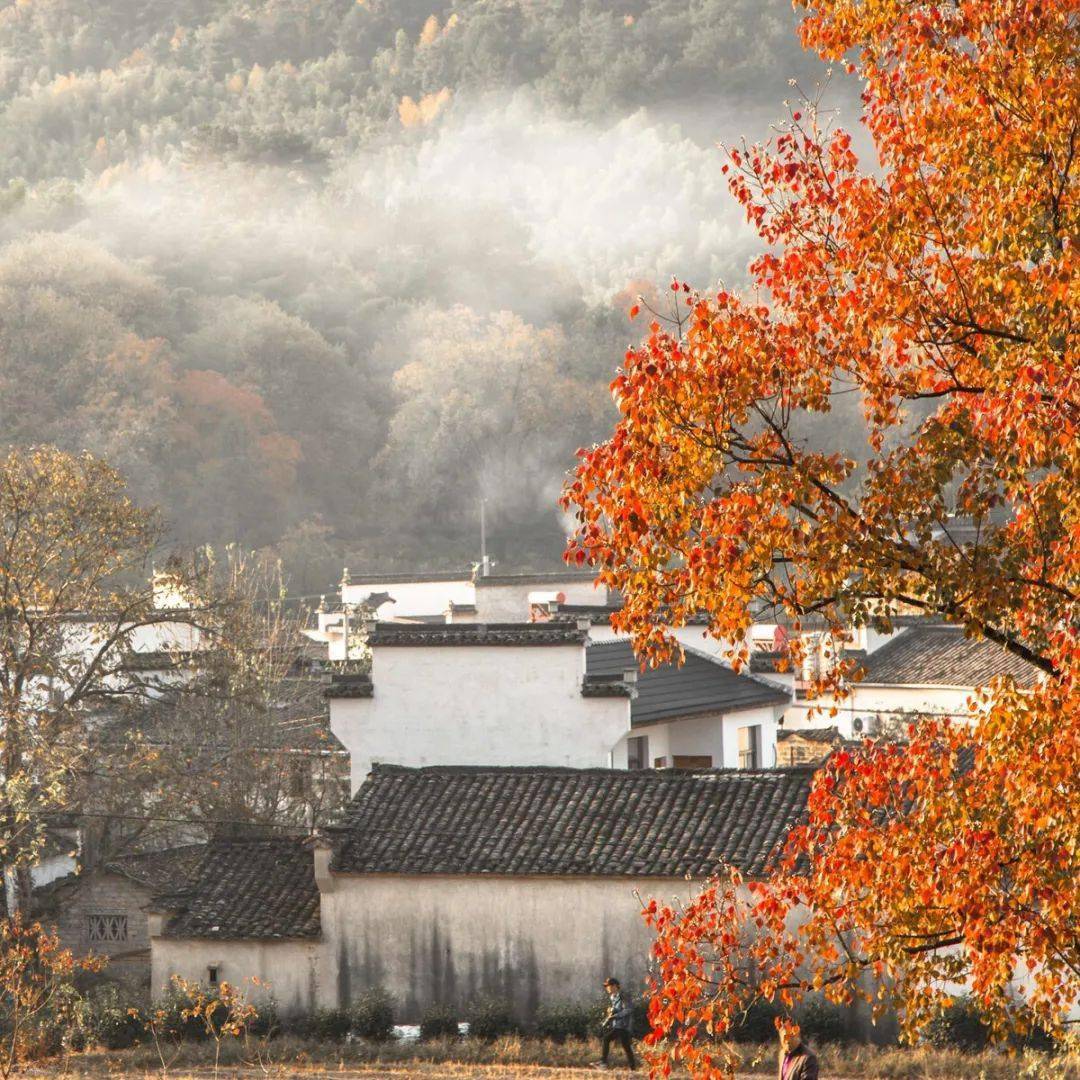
(106, 929)
(212, 974)
(637, 752)
(750, 747)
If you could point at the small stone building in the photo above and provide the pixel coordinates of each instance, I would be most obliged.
(249, 910)
(103, 910)
(447, 884)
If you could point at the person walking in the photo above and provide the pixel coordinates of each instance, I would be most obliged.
(797, 1060)
(616, 1025)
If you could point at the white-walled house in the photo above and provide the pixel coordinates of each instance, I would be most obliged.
(698, 714)
(417, 595)
(501, 694)
(545, 694)
(475, 595)
(925, 668)
(510, 597)
(449, 884)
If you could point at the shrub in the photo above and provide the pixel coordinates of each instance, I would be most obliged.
(639, 1018)
(822, 1021)
(177, 1001)
(326, 1025)
(568, 1020)
(37, 977)
(372, 1015)
(438, 1022)
(491, 1019)
(111, 1021)
(1037, 1039)
(756, 1026)
(265, 1024)
(959, 1026)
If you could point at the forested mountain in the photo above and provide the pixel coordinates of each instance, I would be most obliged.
(318, 274)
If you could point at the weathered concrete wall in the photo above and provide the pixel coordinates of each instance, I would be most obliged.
(497, 705)
(288, 971)
(451, 940)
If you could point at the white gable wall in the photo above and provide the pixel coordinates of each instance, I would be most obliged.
(478, 705)
(412, 598)
(509, 601)
(715, 734)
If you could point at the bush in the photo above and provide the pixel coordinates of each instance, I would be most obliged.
(175, 1001)
(822, 1022)
(492, 1019)
(326, 1025)
(959, 1026)
(372, 1015)
(757, 1025)
(109, 1021)
(639, 1018)
(438, 1022)
(568, 1020)
(266, 1023)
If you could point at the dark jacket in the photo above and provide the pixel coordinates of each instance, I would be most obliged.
(803, 1065)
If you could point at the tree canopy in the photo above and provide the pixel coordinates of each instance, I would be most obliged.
(939, 288)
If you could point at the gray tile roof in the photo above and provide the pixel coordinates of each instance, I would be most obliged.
(568, 822)
(547, 633)
(161, 871)
(404, 577)
(541, 577)
(350, 686)
(942, 656)
(698, 687)
(248, 889)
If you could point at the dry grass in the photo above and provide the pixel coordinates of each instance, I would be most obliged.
(533, 1058)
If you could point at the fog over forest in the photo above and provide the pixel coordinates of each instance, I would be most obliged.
(318, 274)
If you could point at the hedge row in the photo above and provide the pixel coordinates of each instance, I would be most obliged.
(108, 1020)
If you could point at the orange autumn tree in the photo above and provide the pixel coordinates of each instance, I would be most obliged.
(939, 289)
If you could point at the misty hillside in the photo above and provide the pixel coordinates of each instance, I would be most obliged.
(318, 275)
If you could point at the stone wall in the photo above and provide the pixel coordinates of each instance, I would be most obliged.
(105, 898)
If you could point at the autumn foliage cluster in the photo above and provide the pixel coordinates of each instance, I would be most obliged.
(938, 286)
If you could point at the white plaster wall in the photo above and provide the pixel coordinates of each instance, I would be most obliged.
(413, 598)
(450, 940)
(716, 735)
(510, 602)
(892, 703)
(476, 705)
(698, 735)
(699, 640)
(766, 717)
(288, 971)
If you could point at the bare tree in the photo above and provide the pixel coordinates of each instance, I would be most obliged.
(77, 600)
